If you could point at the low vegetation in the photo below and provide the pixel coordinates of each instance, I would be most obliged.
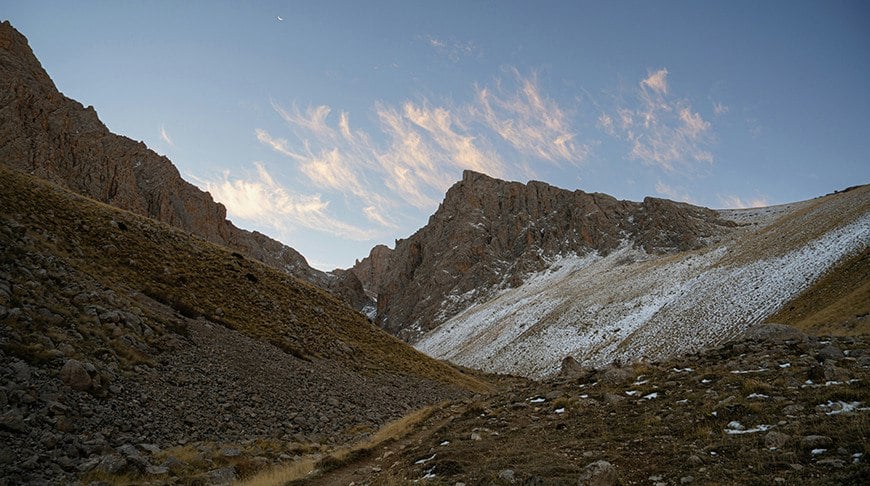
(838, 303)
(199, 279)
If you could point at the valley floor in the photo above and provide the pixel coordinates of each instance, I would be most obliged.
(776, 408)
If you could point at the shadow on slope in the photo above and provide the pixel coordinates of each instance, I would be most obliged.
(118, 331)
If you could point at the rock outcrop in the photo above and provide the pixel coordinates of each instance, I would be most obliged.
(44, 133)
(489, 234)
(370, 269)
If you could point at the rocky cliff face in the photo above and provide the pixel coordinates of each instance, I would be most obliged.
(370, 269)
(46, 134)
(489, 234)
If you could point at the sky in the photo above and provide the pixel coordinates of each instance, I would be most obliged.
(336, 126)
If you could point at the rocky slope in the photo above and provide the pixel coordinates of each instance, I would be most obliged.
(46, 134)
(490, 234)
(630, 305)
(131, 349)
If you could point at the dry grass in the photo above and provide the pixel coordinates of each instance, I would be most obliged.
(132, 254)
(285, 473)
(315, 463)
(838, 304)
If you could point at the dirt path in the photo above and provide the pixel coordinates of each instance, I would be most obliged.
(366, 469)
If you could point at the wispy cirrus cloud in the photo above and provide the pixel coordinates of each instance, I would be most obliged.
(423, 147)
(657, 82)
(532, 123)
(164, 135)
(260, 199)
(277, 144)
(452, 49)
(428, 147)
(339, 161)
(736, 202)
(662, 130)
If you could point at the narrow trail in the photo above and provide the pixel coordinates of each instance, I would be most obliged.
(366, 469)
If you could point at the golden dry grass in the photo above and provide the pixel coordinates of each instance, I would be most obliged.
(308, 465)
(838, 304)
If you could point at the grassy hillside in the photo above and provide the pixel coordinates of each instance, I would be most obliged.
(838, 304)
(129, 253)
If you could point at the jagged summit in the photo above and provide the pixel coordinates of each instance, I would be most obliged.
(489, 234)
(46, 134)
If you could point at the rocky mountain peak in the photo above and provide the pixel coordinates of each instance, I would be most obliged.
(44, 133)
(488, 234)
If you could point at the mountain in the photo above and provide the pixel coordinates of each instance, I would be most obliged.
(489, 235)
(128, 346)
(513, 278)
(46, 134)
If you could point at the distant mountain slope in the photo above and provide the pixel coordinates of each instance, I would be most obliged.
(46, 134)
(118, 330)
(629, 303)
(490, 234)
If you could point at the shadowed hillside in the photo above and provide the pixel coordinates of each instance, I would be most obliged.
(44, 133)
(118, 330)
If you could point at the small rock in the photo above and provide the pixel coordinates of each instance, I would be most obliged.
(128, 450)
(74, 375)
(507, 475)
(695, 460)
(599, 473)
(21, 370)
(775, 440)
(224, 475)
(772, 332)
(615, 376)
(13, 421)
(830, 352)
(112, 464)
(475, 436)
(793, 409)
(89, 464)
(687, 480)
(156, 470)
(150, 448)
(816, 441)
(613, 398)
(831, 462)
(231, 452)
(572, 370)
(832, 372)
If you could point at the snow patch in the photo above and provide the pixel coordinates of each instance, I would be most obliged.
(598, 308)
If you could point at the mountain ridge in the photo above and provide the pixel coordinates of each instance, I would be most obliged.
(46, 134)
(630, 305)
(489, 234)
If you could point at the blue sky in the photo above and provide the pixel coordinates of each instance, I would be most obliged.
(335, 126)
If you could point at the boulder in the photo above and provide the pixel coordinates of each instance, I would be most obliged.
(599, 473)
(74, 375)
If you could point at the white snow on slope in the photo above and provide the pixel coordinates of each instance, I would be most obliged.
(629, 305)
